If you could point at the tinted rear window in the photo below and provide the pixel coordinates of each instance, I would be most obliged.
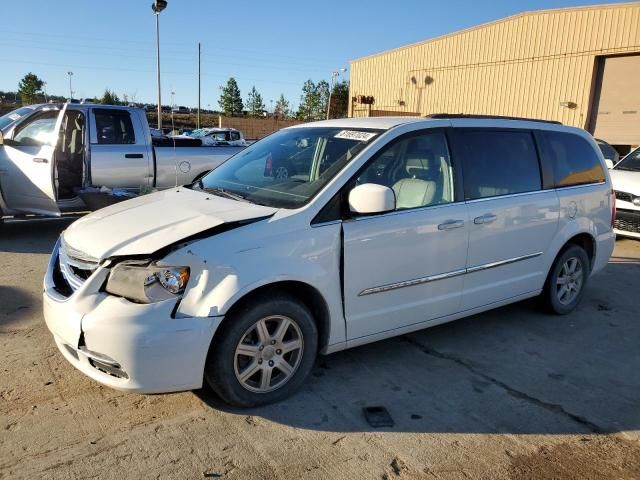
(573, 160)
(497, 162)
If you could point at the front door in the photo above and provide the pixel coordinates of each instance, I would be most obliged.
(27, 164)
(406, 267)
(512, 220)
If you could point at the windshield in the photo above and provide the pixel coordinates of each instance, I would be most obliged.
(288, 168)
(14, 116)
(630, 162)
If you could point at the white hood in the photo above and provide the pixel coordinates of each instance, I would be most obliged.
(148, 223)
(625, 181)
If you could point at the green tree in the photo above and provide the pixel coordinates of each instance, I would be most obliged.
(230, 100)
(281, 110)
(109, 97)
(254, 104)
(308, 101)
(339, 100)
(322, 100)
(29, 88)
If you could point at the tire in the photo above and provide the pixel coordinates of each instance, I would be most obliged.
(572, 266)
(245, 369)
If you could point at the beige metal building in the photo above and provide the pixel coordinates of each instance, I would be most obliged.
(580, 66)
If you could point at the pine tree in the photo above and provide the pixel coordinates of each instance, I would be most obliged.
(308, 101)
(109, 97)
(281, 110)
(29, 88)
(255, 105)
(339, 100)
(230, 100)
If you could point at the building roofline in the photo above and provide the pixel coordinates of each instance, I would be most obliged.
(490, 23)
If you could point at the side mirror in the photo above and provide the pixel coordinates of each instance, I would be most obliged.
(372, 198)
(609, 163)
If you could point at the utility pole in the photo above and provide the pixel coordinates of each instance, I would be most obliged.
(157, 7)
(70, 89)
(333, 79)
(199, 77)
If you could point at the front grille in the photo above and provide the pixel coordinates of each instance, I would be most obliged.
(624, 196)
(74, 266)
(628, 221)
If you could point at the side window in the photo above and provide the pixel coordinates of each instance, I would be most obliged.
(573, 159)
(235, 136)
(38, 130)
(417, 168)
(114, 127)
(497, 162)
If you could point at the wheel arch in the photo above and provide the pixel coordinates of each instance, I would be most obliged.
(305, 293)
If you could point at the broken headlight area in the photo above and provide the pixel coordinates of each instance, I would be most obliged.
(147, 282)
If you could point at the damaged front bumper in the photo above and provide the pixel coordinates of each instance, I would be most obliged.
(125, 345)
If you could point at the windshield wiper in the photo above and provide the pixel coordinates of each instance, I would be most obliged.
(221, 192)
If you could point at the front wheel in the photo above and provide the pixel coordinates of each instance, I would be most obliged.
(567, 280)
(263, 353)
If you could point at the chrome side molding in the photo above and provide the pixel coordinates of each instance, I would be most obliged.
(443, 276)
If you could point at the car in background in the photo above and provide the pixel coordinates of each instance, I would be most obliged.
(181, 110)
(218, 136)
(625, 177)
(611, 155)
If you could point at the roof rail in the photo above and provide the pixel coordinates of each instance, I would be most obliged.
(488, 117)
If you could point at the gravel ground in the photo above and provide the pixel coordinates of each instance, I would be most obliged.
(509, 394)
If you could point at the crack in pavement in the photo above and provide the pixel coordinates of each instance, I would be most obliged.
(552, 407)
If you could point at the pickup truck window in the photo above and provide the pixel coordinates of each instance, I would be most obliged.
(288, 168)
(235, 136)
(38, 130)
(14, 116)
(114, 127)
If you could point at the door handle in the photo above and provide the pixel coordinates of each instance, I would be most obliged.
(40, 160)
(451, 224)
(486, 218)
(133, 155)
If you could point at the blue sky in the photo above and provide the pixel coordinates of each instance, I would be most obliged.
(275, 44)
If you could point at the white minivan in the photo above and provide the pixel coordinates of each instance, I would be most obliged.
(383, 226)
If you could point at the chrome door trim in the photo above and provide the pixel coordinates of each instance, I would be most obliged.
(444, 276)
(500, 263)
(411, 283)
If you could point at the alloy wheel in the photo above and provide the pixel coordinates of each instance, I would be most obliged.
(569, 281)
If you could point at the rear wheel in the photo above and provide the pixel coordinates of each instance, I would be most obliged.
(567, 280)
(263, 353)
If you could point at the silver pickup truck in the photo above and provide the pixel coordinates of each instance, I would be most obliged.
(48, 152)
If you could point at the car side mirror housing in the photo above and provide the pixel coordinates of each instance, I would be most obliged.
(371, 198)
(609, 163)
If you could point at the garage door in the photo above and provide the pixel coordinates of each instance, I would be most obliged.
(616, 112)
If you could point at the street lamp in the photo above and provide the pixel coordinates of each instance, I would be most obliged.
(158, 6)
(70, 89)
(334, 74)
(44, 90)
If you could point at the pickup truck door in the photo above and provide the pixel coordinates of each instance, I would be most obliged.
(120, 150)
(27, 163)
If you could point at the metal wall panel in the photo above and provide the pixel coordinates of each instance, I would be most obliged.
(527, 65)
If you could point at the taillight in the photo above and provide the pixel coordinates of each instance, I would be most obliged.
(613, 207)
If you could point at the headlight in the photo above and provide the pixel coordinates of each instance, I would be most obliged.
(145, 283)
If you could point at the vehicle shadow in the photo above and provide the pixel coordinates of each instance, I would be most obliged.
(511, 370)
(32, 236)
(15, 305)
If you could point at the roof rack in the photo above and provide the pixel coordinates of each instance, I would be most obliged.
(488, 117)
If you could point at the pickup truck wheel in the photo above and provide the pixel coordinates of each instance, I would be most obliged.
(263, 353)
(567, 280)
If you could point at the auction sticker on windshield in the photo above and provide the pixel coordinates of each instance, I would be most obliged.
(355, 135)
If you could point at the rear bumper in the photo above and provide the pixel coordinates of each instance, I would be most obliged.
(128, 346)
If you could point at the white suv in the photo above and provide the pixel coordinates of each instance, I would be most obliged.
(387, 226)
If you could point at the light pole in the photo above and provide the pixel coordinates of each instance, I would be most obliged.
(157, 7)
(44, 89)
(333, 79)
(70, 89)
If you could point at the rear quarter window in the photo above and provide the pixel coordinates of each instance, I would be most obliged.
(572, 159)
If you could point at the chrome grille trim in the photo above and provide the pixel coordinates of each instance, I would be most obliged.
(68, 259)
